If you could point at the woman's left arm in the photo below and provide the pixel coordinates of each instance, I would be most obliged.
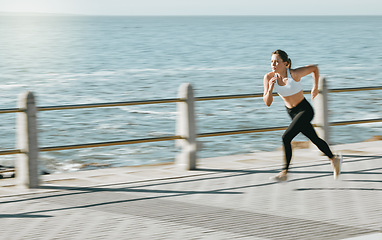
(298, 73)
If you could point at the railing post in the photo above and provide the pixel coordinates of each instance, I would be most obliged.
(186, 128)
(27, 174)
(321, 118)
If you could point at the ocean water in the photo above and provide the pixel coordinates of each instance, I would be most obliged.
(97, 59)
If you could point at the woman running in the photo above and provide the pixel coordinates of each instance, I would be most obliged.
(286, 82)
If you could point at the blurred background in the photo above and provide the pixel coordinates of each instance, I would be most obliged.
(78, 59)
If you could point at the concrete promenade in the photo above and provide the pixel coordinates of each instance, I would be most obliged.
(226, 198)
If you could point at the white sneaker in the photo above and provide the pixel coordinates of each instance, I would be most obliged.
(281, 177)
(336, 164)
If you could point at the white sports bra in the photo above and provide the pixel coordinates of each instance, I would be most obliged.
(292, 87)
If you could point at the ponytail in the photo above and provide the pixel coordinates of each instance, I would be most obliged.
(289, 63)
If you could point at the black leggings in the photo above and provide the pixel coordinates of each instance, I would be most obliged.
(301, 116)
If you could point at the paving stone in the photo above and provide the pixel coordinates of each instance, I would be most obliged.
(231, 199)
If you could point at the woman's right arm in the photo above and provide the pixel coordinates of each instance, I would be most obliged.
(269, 83)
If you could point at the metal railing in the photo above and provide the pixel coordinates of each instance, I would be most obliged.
(187, 137)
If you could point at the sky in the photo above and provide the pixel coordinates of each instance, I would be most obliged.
(196, 7)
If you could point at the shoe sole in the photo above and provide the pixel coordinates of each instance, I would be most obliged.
(339, 166)
(278, 179)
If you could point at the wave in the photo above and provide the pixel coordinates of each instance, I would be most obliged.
(11, 86)
(168, 115)
(195, 68)
(121, 72)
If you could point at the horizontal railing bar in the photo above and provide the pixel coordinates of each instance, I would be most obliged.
(10, 110)
(221, 97)
(355, 122)
(169, 138)
(224, 133)
(113, 104)
(172, 100)
(354, 89)
(113, 143)
(10, 152)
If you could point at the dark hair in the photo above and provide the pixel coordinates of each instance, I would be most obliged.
(284, 56)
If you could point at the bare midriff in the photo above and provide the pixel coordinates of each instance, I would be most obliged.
(294, 100)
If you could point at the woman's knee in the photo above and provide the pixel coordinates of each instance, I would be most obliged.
(286, 138)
